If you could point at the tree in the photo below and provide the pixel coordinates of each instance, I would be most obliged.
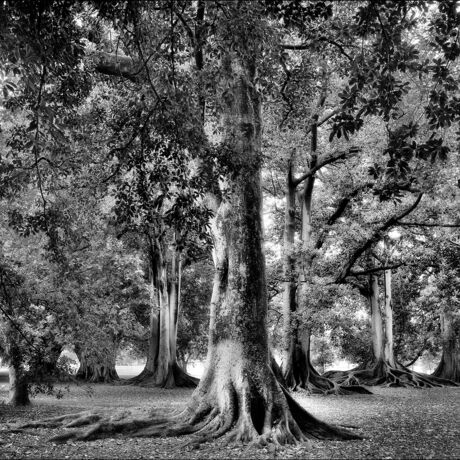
(447, 294)
(239, 392)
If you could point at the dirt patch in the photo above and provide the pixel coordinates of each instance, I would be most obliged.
(397, 423)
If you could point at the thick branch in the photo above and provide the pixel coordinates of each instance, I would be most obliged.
(342, 206)
(375, 237)
(305, 46)
(312, 171)
(115, 64)
(323, 120)
(423, 224)
(376, 269)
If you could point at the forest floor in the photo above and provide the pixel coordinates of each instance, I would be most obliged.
(396, 423)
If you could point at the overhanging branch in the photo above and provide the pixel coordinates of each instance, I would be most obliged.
(114, 64)
(310, 172)
(376, 269)
(374, 238)
(423, 224)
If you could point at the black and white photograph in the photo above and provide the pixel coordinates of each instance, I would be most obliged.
(229, 229)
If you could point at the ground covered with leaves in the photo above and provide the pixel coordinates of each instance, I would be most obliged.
(396, 423)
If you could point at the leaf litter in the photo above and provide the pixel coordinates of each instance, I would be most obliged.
(395, 422)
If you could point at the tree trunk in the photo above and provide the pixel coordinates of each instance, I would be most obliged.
(384, 369)
(376, 319)
(239, 395)
(161, 368)
(449, 366)
(97, 369)
(97, 366)
(297, 368)
(239, 391)
(19, 386)
(388, 317)
(289, 285)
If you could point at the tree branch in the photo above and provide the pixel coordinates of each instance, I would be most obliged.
(423, 224)
(305, 46)
(342, 206)
(332, 159)
(375, 237)
(376, 269)
(114, 64)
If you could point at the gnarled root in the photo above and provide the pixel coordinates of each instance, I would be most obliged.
(383, 374)
(239, 400)
(311, 381)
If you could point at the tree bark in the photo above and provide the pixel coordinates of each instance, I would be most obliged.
(239, 395)
(95, 368)
(19, 386)
(388, 321)
(384, 368)
(289, 285)
(161, 368)
(449, 366)
(297, 368)
(376, 318)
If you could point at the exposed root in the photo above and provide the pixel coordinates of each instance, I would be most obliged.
(237, 400)
(312, 382)
(383, 374)
(97, 374)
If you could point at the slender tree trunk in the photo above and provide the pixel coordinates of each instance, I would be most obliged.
(163, 371)
(388, 317)
(298, 370)
(289, 285)
(376, 319)
(449, 366)
(153, 335)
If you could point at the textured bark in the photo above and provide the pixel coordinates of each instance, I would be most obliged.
(384, 369)
(376, 319)
(449, 366)
(298, 370)
(289, 285)
(388, 317)
(19, 386)
(95, 368)
(161, 368)
(239, 395)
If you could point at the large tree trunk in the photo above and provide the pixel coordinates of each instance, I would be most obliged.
(383, 369)
(239, 395)
(388, 317)
(19, 386)
(18, 378)
(449, 366)
(376, 319)
(161, 368)
(95, 368)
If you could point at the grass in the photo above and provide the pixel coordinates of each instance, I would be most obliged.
(396, 423)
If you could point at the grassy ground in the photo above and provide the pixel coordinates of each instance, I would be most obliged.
(396, 423)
